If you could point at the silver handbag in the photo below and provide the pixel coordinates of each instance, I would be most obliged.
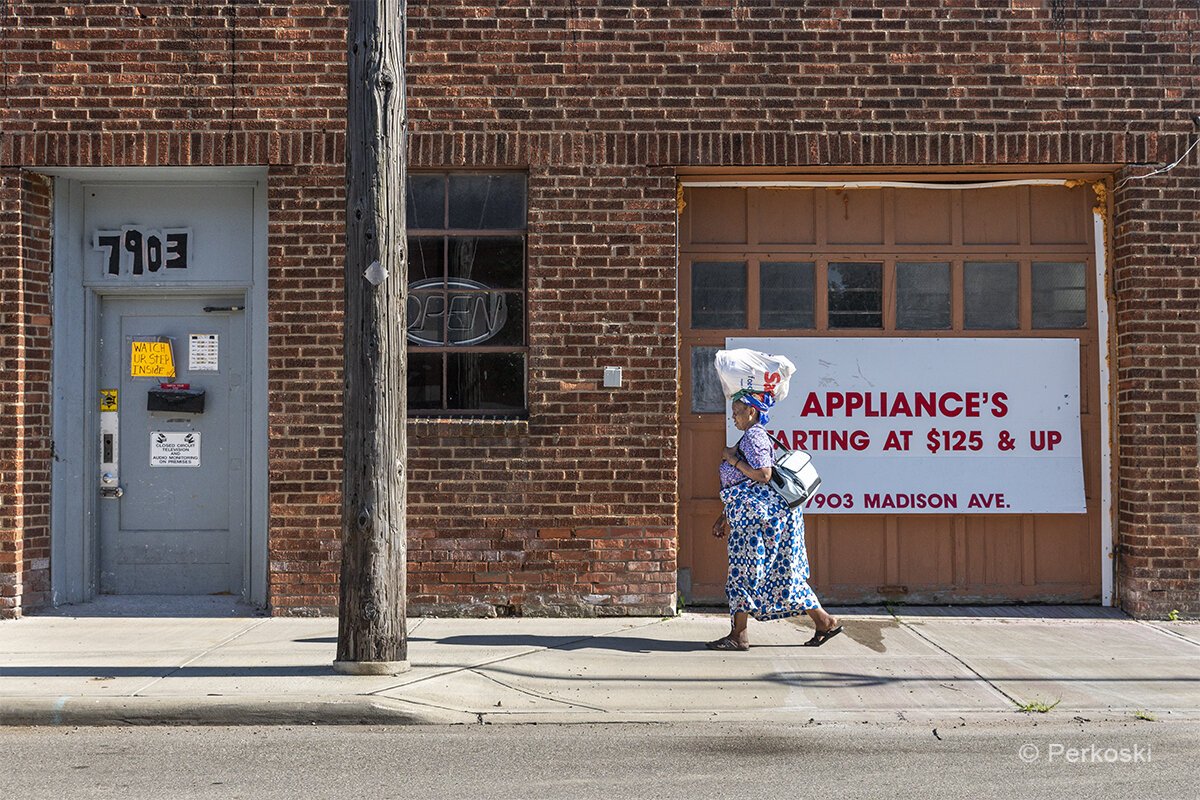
(793, 476)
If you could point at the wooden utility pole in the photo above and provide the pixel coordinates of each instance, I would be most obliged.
(371, 627)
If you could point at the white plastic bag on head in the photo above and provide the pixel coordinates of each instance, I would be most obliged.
(755, 371)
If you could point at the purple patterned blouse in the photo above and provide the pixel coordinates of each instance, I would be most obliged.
(756, 451)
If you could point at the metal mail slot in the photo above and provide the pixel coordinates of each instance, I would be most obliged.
(187, 401)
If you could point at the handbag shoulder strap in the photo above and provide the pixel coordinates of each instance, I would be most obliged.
(738, 447)
(774, 444)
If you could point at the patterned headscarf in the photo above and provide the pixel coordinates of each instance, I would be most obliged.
(759, 400)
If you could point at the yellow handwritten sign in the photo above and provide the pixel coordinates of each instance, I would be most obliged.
(151, 360)
(108, 399)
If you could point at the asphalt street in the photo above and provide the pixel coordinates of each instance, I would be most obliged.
(1029, 757)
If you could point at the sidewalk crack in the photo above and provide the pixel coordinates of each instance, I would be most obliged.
(502, 659)
(968, 667)
(217, 646)
(538, 695)
(1167, 632)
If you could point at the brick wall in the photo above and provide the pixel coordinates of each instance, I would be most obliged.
(151, 68)
(600, 102)
(33, 410)
(1158, 390)
(306, 211)
(25, 236)
(12, 520)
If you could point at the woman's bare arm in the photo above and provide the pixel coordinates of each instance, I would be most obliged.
(760, 474)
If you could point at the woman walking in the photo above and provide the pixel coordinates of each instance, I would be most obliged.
(768, 564)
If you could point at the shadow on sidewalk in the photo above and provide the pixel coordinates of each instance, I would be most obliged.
(822, 679)
(102, 673)
(623, 644)
(846, 680)
(1016, 611)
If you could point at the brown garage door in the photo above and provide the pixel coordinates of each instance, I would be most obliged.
(1014, 261)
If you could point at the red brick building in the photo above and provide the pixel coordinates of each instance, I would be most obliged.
(171, 181)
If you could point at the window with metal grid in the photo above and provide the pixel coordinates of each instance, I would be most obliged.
(466, 310)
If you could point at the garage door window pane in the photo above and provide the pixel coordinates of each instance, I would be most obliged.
(991, 301)
(786, 293)
(719, 294)
(855, 295)
(923, 295)
(707, 397)
(1059, 295)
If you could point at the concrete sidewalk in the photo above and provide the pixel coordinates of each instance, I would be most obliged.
(97, 668)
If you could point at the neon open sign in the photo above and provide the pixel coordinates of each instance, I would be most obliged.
(455, 311)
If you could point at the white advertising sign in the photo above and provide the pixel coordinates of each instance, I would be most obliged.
(933, 426)
(174, 449)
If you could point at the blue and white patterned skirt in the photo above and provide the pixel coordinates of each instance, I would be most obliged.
(768, 563)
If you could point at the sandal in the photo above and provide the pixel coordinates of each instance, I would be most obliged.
(821, 637)
(727, 644)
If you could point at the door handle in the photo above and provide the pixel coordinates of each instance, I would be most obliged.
(109, 487)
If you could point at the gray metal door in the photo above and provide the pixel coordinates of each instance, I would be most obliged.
(172, 510)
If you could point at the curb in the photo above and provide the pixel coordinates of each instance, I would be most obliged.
(940, 717)
(222, 711)
(73, 711)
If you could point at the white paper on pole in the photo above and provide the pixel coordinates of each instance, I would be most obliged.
(927, 426)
